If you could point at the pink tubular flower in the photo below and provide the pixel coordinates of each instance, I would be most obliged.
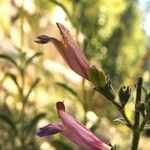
(73, 130)
(69, 50)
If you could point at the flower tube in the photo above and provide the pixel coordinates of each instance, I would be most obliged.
(73, 130)
(69, 50)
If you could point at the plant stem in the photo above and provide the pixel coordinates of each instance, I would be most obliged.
(135, 140)
(122, 111)
(136, 132)
(22, 76)
(137, 102)
(21, 26)
(143, 124)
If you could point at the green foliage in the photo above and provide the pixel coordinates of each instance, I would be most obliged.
(35, 120)
(70, 90)
(9, 59)
(8, 120)
(61, 145)
(30, 59)
(21, 126)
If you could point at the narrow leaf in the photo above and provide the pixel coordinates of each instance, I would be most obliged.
(69, 89)
(147, 127)
(14, 78)
(35, 120)
(30, 127)
(9, 122)
(61, 145)
(9, 59)
(30, 59)
(120, 120)
(33, 85)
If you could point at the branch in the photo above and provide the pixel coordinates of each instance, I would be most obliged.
(137, 102)
(122, 111)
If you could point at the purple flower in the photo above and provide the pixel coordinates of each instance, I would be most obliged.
(69, 50)
(73, 130)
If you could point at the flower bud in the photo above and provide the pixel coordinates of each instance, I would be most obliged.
(43, 39)
(124, 95)
(97, 77)
(69, 50)
(107, 91)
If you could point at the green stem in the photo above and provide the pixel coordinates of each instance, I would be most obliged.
(21, 26)
(136, 131)
(137, 102)
(22, 76)
(135, 140)
(122, 111)
(129, 124)
(143, 124)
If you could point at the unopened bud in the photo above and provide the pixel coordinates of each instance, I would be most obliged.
(43, 39)
(124, 95)
(97, 77)
(107, 91)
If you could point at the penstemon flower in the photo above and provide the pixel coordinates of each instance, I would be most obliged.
(73, 130)
(69, 50)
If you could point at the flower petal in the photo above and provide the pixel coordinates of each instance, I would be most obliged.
(77, 60)
(69, 50)
(49, 129)
(78, 133)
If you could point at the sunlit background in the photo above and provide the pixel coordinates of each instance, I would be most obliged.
(114, 34)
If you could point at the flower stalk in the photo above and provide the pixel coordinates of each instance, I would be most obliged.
(69, 50)
(136, 132)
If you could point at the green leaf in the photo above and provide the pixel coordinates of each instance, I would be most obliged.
(7, 110)
(61, 145)
(69, 89)
(30, 59)
(29, 128)
(120, 120)
(9, 122)
(95, 126)
(35, 120)
(33, 85)
(147, 127)
(9, 59)
(14, 78)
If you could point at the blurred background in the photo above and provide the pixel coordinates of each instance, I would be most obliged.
(114, 34)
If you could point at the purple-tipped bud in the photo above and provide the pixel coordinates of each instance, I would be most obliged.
(49, 129)
(124, 95)
(69, 50)
(74, 131)
(60, 106)
(42, 39)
